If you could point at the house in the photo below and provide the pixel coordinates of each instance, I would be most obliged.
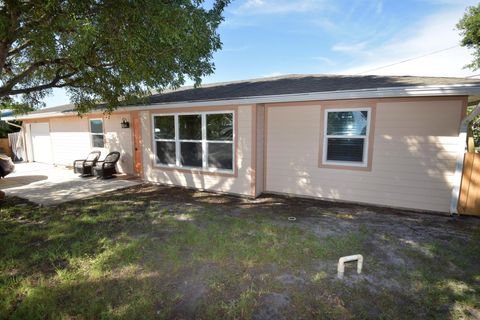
(390, 141)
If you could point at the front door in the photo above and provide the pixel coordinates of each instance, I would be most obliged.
(137, 134)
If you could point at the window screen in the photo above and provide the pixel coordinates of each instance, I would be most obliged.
(346, 136)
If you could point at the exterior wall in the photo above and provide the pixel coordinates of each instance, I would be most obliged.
(413, 163)
(238, 183)
(260, 136)
(28, 141)
(121, 140)
(71, 140)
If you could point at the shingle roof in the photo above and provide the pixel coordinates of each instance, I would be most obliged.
(282, 85)
(295, 84)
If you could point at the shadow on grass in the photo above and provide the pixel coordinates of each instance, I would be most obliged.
(156, 252)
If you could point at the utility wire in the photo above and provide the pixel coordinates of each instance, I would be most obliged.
(400, 62)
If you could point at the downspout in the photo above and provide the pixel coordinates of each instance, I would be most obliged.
(462, 145)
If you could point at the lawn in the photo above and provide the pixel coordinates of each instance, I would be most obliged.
(169, 253)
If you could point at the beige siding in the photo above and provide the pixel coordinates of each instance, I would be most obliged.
(413, 156)
(28, 141)
(241, 184)
(259, 143)
(121, 140)
(71, 140)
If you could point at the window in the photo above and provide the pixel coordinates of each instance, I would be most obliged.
(346, 137)
(96, 132)
(201, 140)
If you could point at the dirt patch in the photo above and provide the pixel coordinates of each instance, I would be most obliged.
(218, 256)
(271, 307)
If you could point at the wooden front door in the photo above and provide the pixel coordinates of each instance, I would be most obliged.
(137, 141)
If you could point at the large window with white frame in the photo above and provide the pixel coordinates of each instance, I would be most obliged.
(96, 133)
(198, 140)
(346, 133)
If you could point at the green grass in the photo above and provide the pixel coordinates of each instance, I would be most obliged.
(113, 258)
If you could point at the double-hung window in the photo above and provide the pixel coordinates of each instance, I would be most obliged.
(200, 140)
(96, 133)
(346, 136)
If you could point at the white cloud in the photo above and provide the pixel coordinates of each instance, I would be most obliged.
(434, 33)
(352, 48)
(325, 60)
(325, 24)
(277, 6)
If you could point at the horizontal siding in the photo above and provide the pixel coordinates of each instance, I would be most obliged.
(414, 153)
(121, 140)
(241, 184)
(71, 140)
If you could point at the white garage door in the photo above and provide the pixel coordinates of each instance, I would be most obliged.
(41, 142)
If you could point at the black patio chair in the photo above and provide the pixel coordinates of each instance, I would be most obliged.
(84, 167)
(106, 169)
(6, 165)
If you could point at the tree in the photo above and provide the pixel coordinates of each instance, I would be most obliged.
(109, 51)
(469, 27)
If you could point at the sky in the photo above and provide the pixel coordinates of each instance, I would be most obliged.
(263, 38)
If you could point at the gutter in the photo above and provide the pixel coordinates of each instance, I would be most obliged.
(462, 147)
(393, 92)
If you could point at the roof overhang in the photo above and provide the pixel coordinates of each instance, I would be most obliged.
(376, 93)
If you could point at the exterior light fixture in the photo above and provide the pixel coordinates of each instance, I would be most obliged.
(125, 124)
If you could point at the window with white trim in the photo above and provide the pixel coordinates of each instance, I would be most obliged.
(346, 136)
(200, 140)
(96, 133)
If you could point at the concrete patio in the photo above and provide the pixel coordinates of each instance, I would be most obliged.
(48, 185)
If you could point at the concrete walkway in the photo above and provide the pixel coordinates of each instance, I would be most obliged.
(49, 185)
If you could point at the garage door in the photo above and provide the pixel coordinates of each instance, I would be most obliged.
(41, 142)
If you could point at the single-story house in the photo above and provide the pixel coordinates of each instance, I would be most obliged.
(390, 141)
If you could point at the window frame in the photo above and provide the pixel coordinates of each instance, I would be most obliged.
(203, 141)
(96, 134)
(366, 146)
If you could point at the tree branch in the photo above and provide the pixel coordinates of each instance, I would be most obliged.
(51, 84)
(6, 89)
(19, 48)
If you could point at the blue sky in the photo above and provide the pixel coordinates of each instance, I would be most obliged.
(273, 37)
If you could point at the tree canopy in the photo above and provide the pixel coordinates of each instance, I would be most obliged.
(109, 51)
(469, 27)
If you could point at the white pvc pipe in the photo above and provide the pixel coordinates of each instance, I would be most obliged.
(13, 124)
(342, 260)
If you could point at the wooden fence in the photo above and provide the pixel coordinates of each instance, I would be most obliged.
(469, 200)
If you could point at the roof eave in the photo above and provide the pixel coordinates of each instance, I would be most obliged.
(393, 92)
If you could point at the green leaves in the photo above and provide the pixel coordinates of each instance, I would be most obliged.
(113, 52)
(469, 27)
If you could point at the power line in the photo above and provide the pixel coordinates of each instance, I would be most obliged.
(473, 76)
(400, 62)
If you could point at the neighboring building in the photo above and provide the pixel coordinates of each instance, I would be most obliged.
(389, 141)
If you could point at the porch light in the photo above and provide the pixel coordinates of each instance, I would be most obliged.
(125, 124)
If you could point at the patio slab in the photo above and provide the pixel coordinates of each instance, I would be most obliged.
(49, 185)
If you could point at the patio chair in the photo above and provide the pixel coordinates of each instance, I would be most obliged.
(84, 166)
(106, 169)
(6, 165)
